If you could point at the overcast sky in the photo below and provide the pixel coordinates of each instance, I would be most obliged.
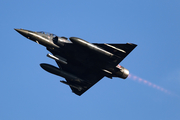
(152, 92)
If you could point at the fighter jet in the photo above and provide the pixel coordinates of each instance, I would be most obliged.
(81, 63)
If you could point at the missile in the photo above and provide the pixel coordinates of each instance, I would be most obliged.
(59, 72)
(57, 58)
(89, 46)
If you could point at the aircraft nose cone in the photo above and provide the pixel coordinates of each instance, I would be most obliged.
(23, 32)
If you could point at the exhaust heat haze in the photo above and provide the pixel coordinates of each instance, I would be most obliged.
(140, 80)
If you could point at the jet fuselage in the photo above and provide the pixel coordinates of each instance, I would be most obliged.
(80, 61)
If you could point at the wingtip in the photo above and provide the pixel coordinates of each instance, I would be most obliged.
(132, 44)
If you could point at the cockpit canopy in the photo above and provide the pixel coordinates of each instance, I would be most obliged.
(53, 36)
(46, 33)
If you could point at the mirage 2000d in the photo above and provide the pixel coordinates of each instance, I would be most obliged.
(81, 63)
